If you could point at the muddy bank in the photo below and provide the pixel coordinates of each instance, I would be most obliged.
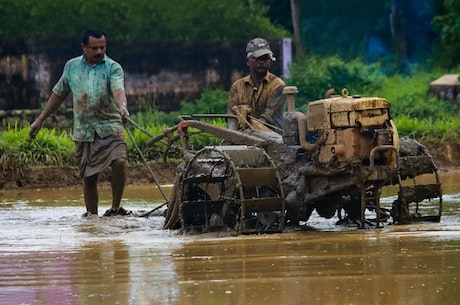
(445, 154)
(62, 177)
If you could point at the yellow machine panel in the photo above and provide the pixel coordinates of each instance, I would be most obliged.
(345, 112)
(351, 127)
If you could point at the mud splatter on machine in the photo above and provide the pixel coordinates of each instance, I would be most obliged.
(334, 160)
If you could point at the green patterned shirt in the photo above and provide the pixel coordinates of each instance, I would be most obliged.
(94, 107)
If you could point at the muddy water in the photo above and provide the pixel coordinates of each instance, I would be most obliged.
(50, 255)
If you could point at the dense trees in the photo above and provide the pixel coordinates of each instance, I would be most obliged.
(448, 23)
(400, 34)
(387, 30)
(139, 19)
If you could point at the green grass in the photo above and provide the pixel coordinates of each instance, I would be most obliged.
(409, 96)
(429, 129)
(53, 148)
(153, 124)
(49, 149)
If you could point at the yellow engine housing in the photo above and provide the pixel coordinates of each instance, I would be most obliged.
(350, 127)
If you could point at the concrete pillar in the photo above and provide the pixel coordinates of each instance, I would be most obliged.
(286, 52)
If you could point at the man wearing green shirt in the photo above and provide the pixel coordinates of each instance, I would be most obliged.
(99, 108)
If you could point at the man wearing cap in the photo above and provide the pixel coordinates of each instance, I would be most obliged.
(261, 90)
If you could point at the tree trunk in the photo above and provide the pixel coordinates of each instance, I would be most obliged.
(295, 24)
(397, 30)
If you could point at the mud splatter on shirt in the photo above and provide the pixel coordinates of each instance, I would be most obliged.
(94, 107)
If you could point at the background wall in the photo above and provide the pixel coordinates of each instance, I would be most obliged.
(160, 74)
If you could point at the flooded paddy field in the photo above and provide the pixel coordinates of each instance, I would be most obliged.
(49, 254)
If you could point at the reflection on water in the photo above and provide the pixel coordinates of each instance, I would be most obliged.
(321, 268)
(50, 255)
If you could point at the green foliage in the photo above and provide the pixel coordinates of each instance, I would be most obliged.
(57, 149)
(342, 27)
(153, 122)
(148, 118)
(345, 28)
(200, 139)
(428, 129)
(149, 121)
(211, 101)
(409, 97)
(48, 149)
(315, 75)
(420, 115)
(448, 24)
(139, 19)
(397, 33)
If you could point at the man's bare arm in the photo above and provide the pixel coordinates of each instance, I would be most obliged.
(51, 106)
(120, 98)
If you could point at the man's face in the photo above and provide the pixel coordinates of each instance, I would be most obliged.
(94, 50)
(259, 65)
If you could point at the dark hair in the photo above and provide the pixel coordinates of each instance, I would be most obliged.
(96, 33)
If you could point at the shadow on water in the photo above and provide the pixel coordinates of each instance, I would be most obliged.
(50, 255)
